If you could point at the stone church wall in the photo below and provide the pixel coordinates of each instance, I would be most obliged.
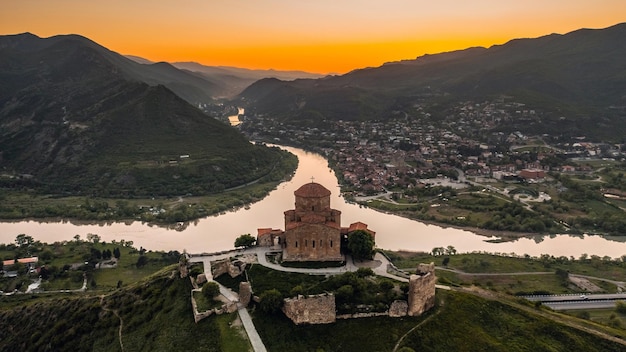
(315, 242)
(422, 290)
(319, 309)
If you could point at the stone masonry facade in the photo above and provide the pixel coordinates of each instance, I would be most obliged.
(313, 229)
(422, 289)
(318, 309)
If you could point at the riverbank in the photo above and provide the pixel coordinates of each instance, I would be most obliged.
(173, 213)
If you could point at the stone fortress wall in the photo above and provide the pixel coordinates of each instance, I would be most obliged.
(317, 309)
(320, 309)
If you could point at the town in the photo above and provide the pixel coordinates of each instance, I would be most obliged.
(472, 145)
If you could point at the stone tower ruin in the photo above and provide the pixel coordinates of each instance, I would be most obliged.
(422, 289)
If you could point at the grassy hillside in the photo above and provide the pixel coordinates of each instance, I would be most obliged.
(156, 316)
(85, 123)
(460, 322)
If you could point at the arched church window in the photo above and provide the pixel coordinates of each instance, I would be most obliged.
(331, 243)
(313, 243)
(296, 244)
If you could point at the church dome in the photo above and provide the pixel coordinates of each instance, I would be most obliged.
(312, 190)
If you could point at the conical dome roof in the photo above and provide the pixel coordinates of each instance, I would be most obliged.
(312, 190)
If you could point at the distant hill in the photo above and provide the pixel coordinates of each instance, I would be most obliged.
(232, 80)
(581, 74)
(190, 87)
(76, 118)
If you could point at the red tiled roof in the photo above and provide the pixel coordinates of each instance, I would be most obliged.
(314, 190)
(357, 226)
(21, 260)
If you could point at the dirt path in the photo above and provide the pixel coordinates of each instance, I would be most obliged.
(115, 312)
(395, 348)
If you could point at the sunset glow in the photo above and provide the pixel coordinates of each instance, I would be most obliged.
(317, 36)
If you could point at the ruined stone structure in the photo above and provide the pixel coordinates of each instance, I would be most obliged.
(233, 268)
(398, 309)
(245, 293)
(422, 289)
(318, 309)
(313, 229)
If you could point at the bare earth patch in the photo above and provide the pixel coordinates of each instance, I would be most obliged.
(585, 284)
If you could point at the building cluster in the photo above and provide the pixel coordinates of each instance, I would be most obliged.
(372, 156)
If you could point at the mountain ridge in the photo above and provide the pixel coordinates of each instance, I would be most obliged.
(74, 120)
(578, 74)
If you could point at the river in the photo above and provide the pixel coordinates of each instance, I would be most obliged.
(217, 233)
(234, 119)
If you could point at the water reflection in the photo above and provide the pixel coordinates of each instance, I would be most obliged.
(216, 233)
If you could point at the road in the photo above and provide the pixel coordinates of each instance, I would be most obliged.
(581, 305)
(578, 297)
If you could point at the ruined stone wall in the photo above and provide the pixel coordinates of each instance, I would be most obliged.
(398, 308)
(422, 289)
(224, 266)
(245, 293)
(319, 309)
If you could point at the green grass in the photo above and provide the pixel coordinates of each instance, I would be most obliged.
(205, 303)
(459, 322)
(263, 279)
(368, 334)
(233, 336)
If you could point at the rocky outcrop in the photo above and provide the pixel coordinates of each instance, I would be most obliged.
(318, 309)
(422, 289)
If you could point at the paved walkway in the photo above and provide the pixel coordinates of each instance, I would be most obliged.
(253, 335)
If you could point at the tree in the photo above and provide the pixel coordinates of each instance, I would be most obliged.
(345, 293)
(437, 251)
(446, 260)
(364, 272)
(450, 250)
(23, 240)
(92, 237)
(246, 241)
(210, 289)
(271, 301)
(116, 253)
(361, 244)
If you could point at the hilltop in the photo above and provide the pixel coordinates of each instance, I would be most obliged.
(151, 309)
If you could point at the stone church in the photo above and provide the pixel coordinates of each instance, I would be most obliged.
(313, 229)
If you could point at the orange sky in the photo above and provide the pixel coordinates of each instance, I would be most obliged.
(313, 35)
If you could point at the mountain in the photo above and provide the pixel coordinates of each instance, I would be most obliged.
(579, 74)
(232, 80)
(190, 87)
(76, 118)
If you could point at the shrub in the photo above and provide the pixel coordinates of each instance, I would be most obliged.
(210, 289)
